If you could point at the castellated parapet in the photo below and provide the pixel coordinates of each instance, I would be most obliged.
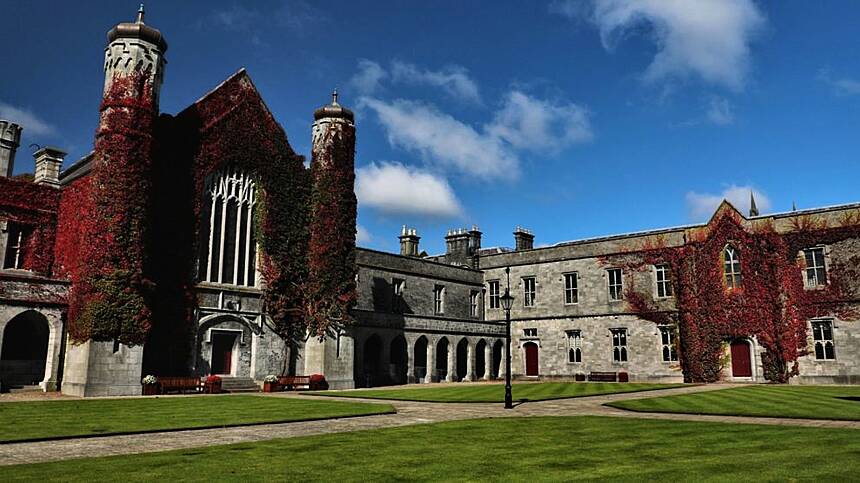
(10, 139)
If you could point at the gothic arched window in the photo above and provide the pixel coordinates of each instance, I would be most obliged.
(732, 267)
(229, 247)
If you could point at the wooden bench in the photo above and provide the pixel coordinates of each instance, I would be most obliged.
(603, 376)
(179, 384)
(294, 383)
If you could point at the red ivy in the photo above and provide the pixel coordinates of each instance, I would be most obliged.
(34, 207)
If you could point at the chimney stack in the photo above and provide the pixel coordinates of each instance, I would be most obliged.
(10, 139)
(524, 238)
(409, 242)
(49, 161)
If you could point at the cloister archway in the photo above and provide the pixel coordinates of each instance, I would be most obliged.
(398, 360)
(442, 358)
(480, 359)
(372, 370)
(25, 349)
(420, 358)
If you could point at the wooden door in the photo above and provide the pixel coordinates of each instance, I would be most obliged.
(741, 366)
(531, 358)
(222, 352)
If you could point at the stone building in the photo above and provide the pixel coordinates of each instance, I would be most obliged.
(580, 307)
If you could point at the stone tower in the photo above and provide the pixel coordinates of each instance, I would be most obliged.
(10, 139)
(122, 163)
(331, 254)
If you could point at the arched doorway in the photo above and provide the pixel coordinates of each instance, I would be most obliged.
(480, 359)
(397, 360)
(372, 370)
(531, 350)
(741, 358)
(420, 358)
(25, 349)
(462, 358)
(442, 358)
(496, 368)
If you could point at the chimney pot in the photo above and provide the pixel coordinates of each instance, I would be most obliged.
(49, 160)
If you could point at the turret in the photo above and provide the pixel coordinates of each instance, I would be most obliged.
(10, 139)
(135, 48)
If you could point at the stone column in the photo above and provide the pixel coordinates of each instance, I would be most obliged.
(385, 360)
(452, 363)
(502, 362)
(432, 375)
(470, 362)
(488, 361)
(410, 361)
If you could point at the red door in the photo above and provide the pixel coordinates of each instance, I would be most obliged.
(222, 352)
(531, 358)
(741, 366)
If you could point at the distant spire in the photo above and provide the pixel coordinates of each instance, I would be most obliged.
(793, 206)
(753, 208)
(334, 97)
(140, 13)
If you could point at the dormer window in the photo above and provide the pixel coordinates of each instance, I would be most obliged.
(732, 268)
(229, 247)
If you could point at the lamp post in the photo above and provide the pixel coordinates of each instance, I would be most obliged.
(507, 301)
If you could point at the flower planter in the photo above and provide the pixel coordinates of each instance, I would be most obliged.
(579, 377)
(150, 389)
(623, 377)
(270, 387)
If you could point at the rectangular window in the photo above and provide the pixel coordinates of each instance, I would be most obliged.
(15, 246)
(574, 346)
(397, 302)
(616, 284)
(531, 332)
(495, 302)
(439, 299)
(822, 334)
(816, 274)
(571, 292)
(664, 281)
(528, 291)
(619, 345)
(667, 340)
(473, 303)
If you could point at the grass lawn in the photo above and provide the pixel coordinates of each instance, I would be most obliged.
(504, 449)
(488, 393)
(28, 420)
(814, 402)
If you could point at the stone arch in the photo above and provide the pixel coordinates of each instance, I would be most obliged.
(442, 348)
(498, 363)
(25, 349)
(420, 358)
(398, 359)
(372, 369)
(224, 345)
(462, 359)
(480, 361)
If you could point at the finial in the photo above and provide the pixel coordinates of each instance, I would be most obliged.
(334, 97)
(753, 208)
(140, 13)
(793, 206)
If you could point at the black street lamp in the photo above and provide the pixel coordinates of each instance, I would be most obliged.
(507, 301)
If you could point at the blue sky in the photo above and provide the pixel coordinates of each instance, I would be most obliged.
(572, 118)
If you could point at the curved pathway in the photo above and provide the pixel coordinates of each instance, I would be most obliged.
(408, 413)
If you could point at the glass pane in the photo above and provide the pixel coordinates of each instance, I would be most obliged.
(827, 331)
(666, 353)
(822, 275)
(828, 350)
(623, 354)
(810, 258)
(819, 350)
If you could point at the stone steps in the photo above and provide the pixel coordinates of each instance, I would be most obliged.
(238, 384)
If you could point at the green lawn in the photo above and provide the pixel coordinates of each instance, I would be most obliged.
(505, 449)
(815, 402)
(28, 420)
(496, 392)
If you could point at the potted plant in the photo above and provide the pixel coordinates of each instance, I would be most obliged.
(270, 383)
(212, 385)
(150, 385)
(317, 382)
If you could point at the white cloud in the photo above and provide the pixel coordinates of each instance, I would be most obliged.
(444, 140)
(369, 77)
(362, 235)
(537, 125)
(395, 189)
(453, 79)
(33, 125)
(702, 205)
(707, 38)
(720, 111)
(844, 86)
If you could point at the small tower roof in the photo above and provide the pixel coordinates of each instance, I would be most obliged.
(334, 110)
(138, 30)
(753, 208)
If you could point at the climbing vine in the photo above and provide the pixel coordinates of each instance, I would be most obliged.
(34, 208)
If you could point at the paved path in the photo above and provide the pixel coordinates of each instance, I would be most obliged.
(408, 413)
